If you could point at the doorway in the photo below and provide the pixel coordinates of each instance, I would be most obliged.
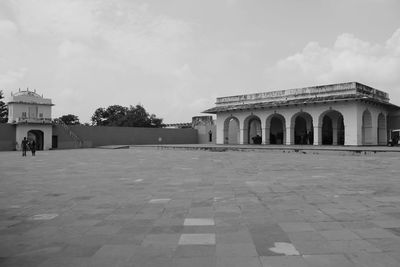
(38, 137)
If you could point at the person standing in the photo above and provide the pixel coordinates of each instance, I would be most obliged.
(24, 145)
(33, 147)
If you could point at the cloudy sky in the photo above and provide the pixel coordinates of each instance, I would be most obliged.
(176, 56)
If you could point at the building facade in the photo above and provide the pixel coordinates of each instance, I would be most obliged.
(31, 115)
(338, 114)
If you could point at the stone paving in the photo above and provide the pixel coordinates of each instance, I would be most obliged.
(151, 207)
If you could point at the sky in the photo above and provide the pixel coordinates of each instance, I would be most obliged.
(176, 57)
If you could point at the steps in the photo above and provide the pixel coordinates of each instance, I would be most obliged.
(78, 141)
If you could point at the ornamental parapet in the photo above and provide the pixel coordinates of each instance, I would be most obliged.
(315, 92)
(22, 120)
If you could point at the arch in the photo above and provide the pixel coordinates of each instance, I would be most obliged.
(252, 130)
(382, 136)
(366, 128)
(38, 137)
(231, 130)
(277, 129)
(327, 131)
(331, 124)
(303, 129)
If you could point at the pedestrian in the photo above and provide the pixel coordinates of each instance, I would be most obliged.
(24, 146)
(33, 147)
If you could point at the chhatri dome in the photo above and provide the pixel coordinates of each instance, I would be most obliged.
(27, 96)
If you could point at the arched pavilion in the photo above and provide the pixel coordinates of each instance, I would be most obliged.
(338, 114)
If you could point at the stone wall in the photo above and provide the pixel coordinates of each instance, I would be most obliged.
(94, 136)
(7, 137)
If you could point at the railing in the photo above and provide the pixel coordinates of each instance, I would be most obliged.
(75, 137)
(33, 120)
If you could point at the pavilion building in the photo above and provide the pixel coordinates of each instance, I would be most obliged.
(337, 114)
(31, 115)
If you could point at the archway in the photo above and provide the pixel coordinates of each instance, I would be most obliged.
(327, 131)
(252, 130)
(231, 131)
(366, 128)
(277, 129)
(38, 137)
(382, 136)
(303, 129)
(341, 131)
(332, 128)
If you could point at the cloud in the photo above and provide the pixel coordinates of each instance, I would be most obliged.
(11, 77)
(7, 28)
(69, 48)
(349, 59)
(121, 30)
(119, 51)
(231, 2)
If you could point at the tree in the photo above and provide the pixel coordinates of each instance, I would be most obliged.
(70, 119)
(3, 109)
(112, 116)
(134, 116)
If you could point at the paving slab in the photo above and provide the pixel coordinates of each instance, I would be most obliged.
(146, 206)
(198, 221)
(197, 239)
(284, 261)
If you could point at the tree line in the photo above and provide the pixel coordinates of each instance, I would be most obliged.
(114, 115)
(3, 109)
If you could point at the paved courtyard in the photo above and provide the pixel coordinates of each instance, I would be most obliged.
(150, 207)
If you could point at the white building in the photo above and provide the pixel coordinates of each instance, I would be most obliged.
(31, 113)
(338, 114)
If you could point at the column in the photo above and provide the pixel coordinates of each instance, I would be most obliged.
(265, 136)
(317, 136)
(289, 136)
(242, 136)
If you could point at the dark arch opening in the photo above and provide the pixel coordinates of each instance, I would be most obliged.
(38, 137)
(332, 128)
(327, 131)
(254, 131)
(276, 135)
(303, 130)
(341, 131)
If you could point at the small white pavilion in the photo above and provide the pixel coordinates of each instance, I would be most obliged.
(31, 113)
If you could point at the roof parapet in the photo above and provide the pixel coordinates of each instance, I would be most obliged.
(350, 88)
(30, 97)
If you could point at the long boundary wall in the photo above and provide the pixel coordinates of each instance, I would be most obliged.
(7, 137)
(94, 136)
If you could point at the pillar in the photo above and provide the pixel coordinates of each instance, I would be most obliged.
(242, 136)
(220, 130)
(317, 136)
(265, 136)
(352, 129)
(289, 136)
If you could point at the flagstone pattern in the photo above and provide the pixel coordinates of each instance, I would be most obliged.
(148, 207)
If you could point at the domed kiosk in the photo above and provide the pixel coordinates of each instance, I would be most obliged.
(31, 113)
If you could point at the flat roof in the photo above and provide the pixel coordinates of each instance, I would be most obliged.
(316, 94)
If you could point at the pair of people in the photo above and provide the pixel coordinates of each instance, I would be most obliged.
(31, 144)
